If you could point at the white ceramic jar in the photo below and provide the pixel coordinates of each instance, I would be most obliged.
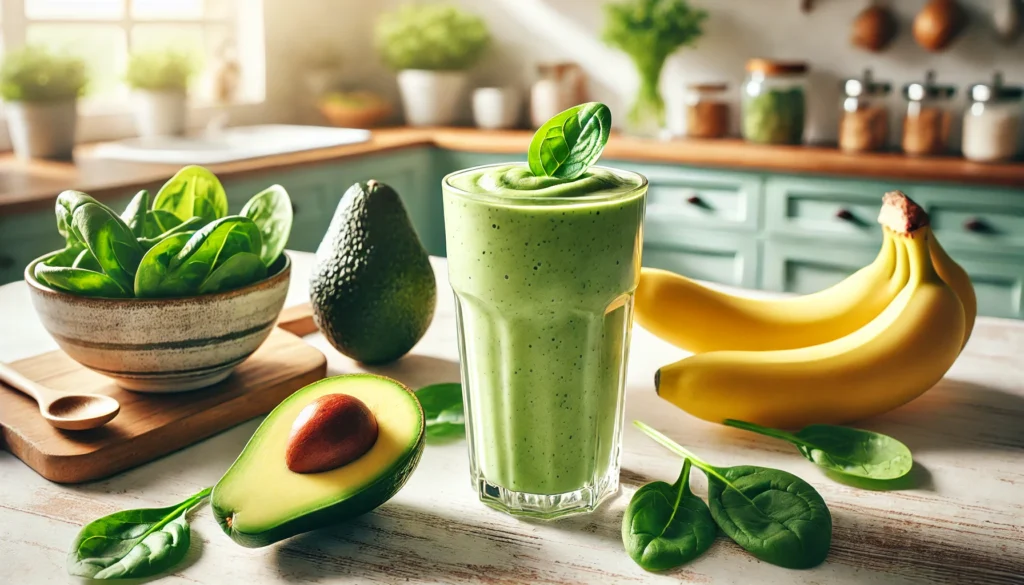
(495, 108)
(992, 122)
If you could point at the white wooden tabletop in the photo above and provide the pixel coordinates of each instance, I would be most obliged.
(962, 521)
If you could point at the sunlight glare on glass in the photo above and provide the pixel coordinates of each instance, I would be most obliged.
(168, 9)
(75, 9)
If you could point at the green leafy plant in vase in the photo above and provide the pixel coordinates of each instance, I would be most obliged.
(431, 46)
(160, 81)
(40, 89)
(649, 31)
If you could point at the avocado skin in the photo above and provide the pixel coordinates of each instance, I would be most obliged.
(366, 500)
(373, 290)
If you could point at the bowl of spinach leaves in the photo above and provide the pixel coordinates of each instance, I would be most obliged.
(170, 294)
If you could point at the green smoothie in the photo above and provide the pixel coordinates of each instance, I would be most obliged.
(544, 271)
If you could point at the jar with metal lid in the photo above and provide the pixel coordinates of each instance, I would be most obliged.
(774, 101)
(864, 118)
(929, 117)
(707, 110)
(992, 121)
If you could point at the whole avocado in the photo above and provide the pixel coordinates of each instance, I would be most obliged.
(372, 289)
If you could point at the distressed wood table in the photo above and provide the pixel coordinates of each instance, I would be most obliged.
(961, 521)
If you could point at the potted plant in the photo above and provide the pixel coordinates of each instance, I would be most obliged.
(431, 46)
(159, 80)
(40, 90)
(649, 31)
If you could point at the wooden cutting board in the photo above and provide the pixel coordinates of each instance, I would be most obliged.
(149, 425)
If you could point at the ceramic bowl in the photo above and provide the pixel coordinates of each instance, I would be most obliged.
(162, 345)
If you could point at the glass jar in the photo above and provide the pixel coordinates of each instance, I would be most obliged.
(929, 116)
(774, 101)
(707, 111)
(864, 117)
(992, 122)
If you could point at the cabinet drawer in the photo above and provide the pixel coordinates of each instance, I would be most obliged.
(985, 220)
(701, 198)
(16, 254)
(998, 282)
(805, 267)
(840, 209)
(712, 256)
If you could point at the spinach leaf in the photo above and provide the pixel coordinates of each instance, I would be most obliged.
(158, 222)
(87, 261)
(237, 271)
(271, 210)
(153, 279)
(133, 543)
(67, 203)
(65, 257)
(566, 145)
(186, 227)
(134, 215)
(774, 515)
(843, 450)
(442, 409)
(80, 281)
(192, 191)
(666, 526)
(109, 240)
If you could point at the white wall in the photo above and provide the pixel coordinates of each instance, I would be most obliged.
(530, 31)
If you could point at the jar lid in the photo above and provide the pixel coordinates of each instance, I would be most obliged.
(927, 89)
(707, 87)
(866, 86)
(995, 91)
(770, 67)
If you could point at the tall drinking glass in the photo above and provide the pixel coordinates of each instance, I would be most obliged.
(544, 271)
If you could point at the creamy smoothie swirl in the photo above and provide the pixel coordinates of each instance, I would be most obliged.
(516, 180)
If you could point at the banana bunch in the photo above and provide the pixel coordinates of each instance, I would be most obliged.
(872, 342)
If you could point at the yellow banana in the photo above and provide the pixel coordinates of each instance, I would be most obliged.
(699, 319)
(956, 277)
(896, 357)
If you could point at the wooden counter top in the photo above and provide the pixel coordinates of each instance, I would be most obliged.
(33, 185)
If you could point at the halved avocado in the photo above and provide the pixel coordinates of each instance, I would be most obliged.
(260, 501)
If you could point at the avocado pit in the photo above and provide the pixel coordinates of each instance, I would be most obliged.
(329, 432)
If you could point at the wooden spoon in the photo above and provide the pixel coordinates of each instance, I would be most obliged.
(71, 412)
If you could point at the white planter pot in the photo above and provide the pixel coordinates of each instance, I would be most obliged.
(431, 98)
(160, 113)
(496, 107)
(42, 129)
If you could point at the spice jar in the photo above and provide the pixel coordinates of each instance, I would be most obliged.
(929, 115)
(774, 101)
(864, 119)
(992, 121)
(707, 111)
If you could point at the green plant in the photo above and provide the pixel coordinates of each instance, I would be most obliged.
(35, 74)
(431, 36)
(666, 526)
(442, 410)
(774, 515)
(133, 543)
(165, 70)
(843, 450)
(566, 145)
(649, 31)
(185, 245)
(271, 210)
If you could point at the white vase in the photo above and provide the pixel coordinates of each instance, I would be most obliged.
(496, 107)
(431, 98)
(160, 113)
(42, 129)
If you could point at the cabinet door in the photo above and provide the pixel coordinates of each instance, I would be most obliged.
(834, 208)
(704, 255)
(998, 282)
(805, 267)
(701, 198)
(969, 218)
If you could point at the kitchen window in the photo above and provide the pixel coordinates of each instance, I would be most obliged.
(105, 32)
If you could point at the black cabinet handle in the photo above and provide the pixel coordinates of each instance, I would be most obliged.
(844, 214)
(695, 200)
(6, 262)
(975, 225)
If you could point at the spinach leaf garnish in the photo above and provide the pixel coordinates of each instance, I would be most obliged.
(666, 526)
(133, 543)
(442, 409)
(844, 451)
(566, 145)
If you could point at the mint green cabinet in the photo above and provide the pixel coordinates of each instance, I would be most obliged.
(837, 210)
(989, 220)
(801, 267)
(702, 254)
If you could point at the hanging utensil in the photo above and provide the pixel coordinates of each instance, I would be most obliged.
(874, 28)
(938, 24)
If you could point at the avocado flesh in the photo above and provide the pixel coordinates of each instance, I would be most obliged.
(372, 289)
(260, 501)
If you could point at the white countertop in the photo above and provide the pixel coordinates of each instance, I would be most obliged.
(962, 523)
